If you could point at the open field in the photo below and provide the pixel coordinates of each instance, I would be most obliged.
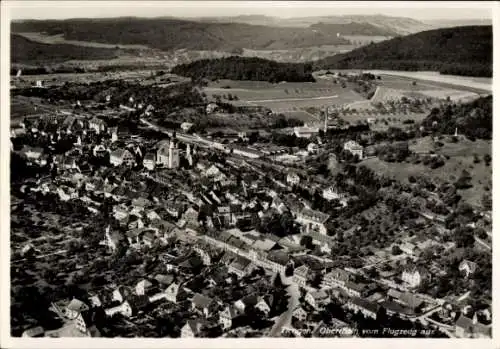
(381, 122)
(59, 39)
(461, 157)
(302, 116)
(286, 96)
(22, 107)
(305, 54)
(474, 84)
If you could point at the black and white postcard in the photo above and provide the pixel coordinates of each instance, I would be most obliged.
(246, 174)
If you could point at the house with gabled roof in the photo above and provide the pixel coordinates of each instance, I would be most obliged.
(336, 278)
(95, 301)
(354, 148)
(134, 304)
(252, 300)
(241, 266)
(149, 161)
(98, 125)
(414, 276)
(192, 328)
(143, 287)
(149, 237)
(227, 316)
(300, 275)
(367, 308)
(299, 313)
(292, 178)
(32, 153)
(467, 267)
(313, 221)
(173, 292)
(74, 308)
(467, 327)
(122, 156)
(164, 280)
(204, 304)
(411, 300)
(120, 293)
(317, 299)
(204, 254)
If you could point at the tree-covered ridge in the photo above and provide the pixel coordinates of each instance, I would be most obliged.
(464, 50)
(474, 120)
(26, 51)
(244, 68)
(171, 34)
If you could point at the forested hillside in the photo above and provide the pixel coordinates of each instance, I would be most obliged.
(460, 51)
(26, 51)
(170, 34)
(243, 68)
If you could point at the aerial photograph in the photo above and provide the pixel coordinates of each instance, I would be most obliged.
(198, 170)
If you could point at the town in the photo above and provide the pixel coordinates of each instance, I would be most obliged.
(158, 232)
(171, 183)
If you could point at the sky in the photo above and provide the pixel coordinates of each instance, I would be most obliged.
(104, 9)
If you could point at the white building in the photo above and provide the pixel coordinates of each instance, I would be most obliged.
(99, 150)
(354, 148)
(305, 131)
(467, 267)
(121, 156)
(211, 107)
(331, 194)
(149, 161)
(186, 126)
(246, 152)
(312, 148)
(313, 221)
(97, 125)
(167, 154)
(414, 277)
(292, 179)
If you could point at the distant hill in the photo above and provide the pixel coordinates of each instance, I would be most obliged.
(245, 68)
(27, 51)
(170, 34)
(447, 23)
(397, 25)
(353, 28)
(459, 51)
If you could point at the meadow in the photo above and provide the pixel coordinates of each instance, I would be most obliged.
(286, 96)
(433, 80)
(59, 39)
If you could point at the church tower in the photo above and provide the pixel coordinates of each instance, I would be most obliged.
(173, 155)
(189, 157)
